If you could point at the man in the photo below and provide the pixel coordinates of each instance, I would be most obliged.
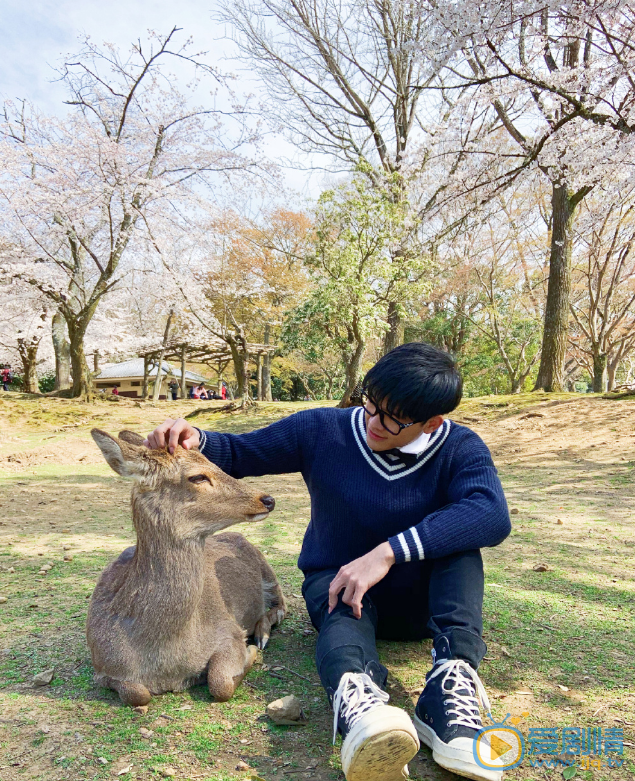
(401, 502)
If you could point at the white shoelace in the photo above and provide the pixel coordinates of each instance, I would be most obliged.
(465, 705)
(356, 695)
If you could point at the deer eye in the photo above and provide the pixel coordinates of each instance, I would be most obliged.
(199, 479)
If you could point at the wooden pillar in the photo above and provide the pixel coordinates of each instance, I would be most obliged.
(183, 383)
(259, 376)
(146, 370)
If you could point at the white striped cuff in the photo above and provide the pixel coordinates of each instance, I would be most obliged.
(407, 546)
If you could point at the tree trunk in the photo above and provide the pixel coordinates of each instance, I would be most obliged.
(27, 349)
(266, 368)
(394, 336)
(82, 382)
(516, 384)
(146, 374)
(156, 391)
(611, 372)
(82, 386)
(353, 369)
(600, 377)
(554, 341)
(240, 358)
(183, 382)
(62, 351)
(329, 388)
(259, 377)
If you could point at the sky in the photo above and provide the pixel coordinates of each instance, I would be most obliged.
(36, 34)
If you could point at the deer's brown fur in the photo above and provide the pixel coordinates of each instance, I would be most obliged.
(177, 608)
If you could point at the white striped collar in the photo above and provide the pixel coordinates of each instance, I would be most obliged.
(389, 468)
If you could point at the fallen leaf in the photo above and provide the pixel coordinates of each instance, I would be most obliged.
(540, 568)
(504, 651)
(563, 688)
(514, 511)
(140, 710)
(125, 770)
(145, 733)
(242, 766)
(559, 522)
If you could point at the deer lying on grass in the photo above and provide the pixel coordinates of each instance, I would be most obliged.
(175, 610)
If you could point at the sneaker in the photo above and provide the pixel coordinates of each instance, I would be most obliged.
(448, 719)
(378, 740)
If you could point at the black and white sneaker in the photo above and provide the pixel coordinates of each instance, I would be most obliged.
(378, 740)
(448, 719)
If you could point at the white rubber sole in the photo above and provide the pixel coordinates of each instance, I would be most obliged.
(379, 747)
(448, 758)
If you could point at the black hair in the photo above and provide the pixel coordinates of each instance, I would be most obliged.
(416, 381)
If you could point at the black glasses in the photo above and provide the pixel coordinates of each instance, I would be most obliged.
(392, 425)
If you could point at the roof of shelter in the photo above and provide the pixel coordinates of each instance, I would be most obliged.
(134, 369)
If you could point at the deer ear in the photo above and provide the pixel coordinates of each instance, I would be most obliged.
(131, 438)
(118, 457)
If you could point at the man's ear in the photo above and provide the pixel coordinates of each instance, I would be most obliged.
(120, 455)
(432, 424)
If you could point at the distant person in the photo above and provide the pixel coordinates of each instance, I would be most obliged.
(115, 391)
(6, 375)
(223, 391)
(173, 387)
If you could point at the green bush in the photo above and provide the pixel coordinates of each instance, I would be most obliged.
(46, 382)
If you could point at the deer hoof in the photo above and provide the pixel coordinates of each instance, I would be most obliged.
(134, 694)
(262, 632)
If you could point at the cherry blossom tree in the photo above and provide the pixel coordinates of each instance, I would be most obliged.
(603, 293)
(24, 328)
(558, 80)
(80, 194)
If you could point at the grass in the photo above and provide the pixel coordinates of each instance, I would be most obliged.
(565, 635)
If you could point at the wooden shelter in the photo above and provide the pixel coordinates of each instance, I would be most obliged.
(215, 353)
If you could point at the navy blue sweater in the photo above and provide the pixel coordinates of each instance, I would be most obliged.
(442, 501)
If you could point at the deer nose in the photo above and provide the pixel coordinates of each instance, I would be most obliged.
(269, 502)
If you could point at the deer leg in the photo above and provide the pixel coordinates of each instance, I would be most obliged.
(275, 602)
(227, 667)
(262, 631)
(132, 694)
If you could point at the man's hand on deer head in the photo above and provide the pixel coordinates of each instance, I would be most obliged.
(172, 433)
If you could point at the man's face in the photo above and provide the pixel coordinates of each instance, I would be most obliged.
(379, 439)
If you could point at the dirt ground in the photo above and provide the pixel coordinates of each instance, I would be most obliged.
(560, 640)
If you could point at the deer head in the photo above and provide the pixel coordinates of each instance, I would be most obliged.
(183, 491)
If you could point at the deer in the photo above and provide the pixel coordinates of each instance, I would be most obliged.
(177, 609)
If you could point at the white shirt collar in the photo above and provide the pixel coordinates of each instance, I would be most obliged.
(417, 445)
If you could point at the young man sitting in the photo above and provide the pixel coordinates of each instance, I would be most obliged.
(401, 503)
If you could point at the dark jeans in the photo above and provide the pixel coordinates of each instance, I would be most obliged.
(414, 601)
